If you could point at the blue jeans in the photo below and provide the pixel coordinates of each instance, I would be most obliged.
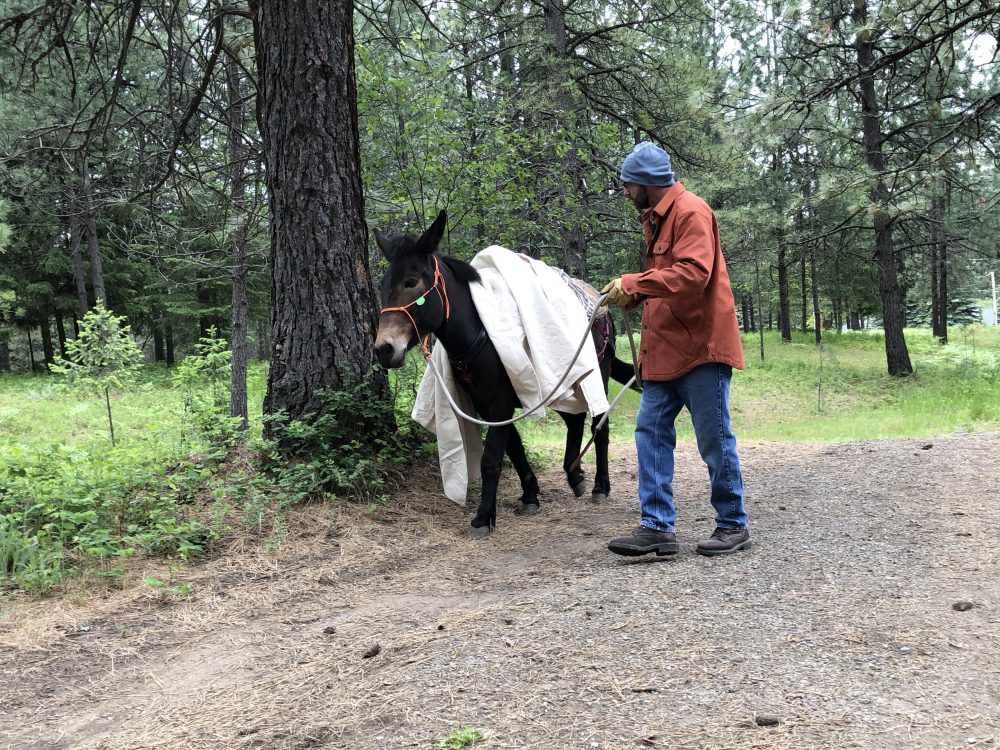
(705, 392)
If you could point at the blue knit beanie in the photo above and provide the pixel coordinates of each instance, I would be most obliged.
(648, 164)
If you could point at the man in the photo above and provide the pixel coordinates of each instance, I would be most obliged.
(690, 345)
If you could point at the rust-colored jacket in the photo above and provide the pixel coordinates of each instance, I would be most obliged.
(689, 318)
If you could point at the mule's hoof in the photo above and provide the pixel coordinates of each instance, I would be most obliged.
(481, 532)
(598, 497)
(580, 488)
(530, 509)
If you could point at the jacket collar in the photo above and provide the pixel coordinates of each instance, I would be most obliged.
(660, 209)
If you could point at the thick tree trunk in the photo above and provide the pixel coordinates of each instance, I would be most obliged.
(893, 320)
(324, 310)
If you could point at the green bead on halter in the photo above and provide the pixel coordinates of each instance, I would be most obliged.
(420, 301)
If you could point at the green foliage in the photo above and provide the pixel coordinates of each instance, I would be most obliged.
(70, 503)
(5, 231)
(102, 504)
(955, 388)
(467, 736)
(168, 590)
(103, 357)
(35, 564)
(324, 455)
(204, 378)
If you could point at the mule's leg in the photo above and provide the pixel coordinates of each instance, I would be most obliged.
(574, 441)
(529, 483)
(493, 450)
(602, 477)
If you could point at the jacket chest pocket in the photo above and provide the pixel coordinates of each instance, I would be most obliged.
(660, 255)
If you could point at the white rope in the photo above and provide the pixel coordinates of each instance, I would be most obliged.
(555, 390)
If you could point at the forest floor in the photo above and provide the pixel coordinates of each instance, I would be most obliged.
(867, 615)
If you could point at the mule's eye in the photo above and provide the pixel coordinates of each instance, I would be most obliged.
(410, 283)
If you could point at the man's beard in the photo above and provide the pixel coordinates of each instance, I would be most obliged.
(641, 201)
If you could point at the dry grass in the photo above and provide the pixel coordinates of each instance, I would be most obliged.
(839, 623)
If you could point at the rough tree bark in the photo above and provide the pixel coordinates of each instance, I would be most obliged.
(75, 239)
(169, 340)
(158, 352)
(784, 302)
(48, 351)
(89, 207)
(324, 313)
(893, 320)
(804, 290)
(237, 154)
(31, 351)
(817, 313)
(939, 269)
(574, 247)
(61, 334)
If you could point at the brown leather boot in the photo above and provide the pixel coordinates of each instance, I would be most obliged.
(644, 540)
(725, 542)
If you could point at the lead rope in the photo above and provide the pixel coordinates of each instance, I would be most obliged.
(604, 417)
(555, 390)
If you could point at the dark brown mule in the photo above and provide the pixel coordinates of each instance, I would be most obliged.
(424, 293)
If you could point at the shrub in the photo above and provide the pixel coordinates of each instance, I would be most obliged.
(102, 358)
(352, 448)
(203, 378)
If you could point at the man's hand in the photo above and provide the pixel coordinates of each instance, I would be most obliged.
(616, 296)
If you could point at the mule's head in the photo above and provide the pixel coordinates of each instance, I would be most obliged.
(409, 284)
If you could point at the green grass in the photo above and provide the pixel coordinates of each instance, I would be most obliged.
(799, 392)
(34, 409)
(841, 391)
(467, 736)
(71, 501)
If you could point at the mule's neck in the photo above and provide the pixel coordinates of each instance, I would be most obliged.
(460, 331)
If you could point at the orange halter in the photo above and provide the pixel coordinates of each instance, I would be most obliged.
(442, 295)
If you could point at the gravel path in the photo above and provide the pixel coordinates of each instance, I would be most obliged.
(867, 615)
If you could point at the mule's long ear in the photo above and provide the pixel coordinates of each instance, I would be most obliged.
(384, 244)
(430, 239)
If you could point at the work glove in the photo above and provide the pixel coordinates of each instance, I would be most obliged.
(616, 295)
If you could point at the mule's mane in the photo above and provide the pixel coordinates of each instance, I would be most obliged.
(461, 269)
(406, 244)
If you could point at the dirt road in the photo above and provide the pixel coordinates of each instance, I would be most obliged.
(867, 615)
